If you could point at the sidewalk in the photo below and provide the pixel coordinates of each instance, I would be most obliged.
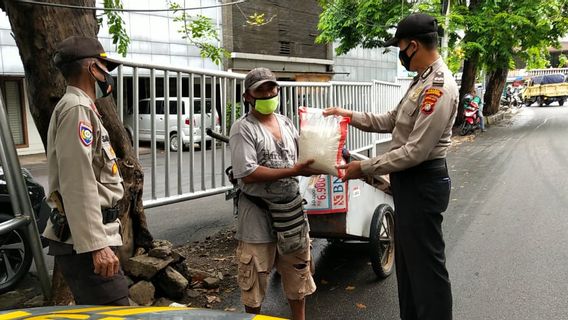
(32, 159)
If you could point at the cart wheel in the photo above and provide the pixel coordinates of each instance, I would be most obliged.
(382, 241)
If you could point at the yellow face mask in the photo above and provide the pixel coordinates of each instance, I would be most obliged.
(267, 106)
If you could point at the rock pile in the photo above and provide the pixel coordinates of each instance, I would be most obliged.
(159, 277)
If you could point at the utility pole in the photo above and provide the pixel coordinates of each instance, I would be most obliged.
(445, 38)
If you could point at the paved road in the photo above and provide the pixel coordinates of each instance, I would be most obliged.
(505, 231)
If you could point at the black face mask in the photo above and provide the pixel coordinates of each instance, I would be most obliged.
(106, 84)
(404, 59)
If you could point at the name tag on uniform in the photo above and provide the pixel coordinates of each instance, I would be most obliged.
(416, 93)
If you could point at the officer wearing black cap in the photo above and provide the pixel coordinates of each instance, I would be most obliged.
(85, 184)
(421, 127)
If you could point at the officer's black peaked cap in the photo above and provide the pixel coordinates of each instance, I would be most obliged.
(414, 25)
(79, 47)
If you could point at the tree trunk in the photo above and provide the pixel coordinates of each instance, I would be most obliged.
(467, 83)
(495, 87)
(37, 31)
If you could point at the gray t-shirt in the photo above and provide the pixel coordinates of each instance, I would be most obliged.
(253, 145)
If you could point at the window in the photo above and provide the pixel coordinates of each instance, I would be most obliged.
(144, 107)
(197, 105)
(173, 107)
(12, 90)
(285, 47)
(159, 107)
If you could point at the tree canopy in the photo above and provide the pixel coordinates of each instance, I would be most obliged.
(495, 32)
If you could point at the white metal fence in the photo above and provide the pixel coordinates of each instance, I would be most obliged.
(541, 72)
(148, 99)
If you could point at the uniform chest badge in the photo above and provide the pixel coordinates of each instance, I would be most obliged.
(416, 93)
(85, 133)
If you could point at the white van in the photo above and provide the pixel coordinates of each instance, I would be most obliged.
(173, 133)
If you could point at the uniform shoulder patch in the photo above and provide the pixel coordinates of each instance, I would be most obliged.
(433, 92)
(431, 96)
(85, 133)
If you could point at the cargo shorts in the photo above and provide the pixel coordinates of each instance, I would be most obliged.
(256, 261)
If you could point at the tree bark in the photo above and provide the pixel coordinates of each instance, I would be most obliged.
(495, 87)
(467, 83)
(37, 31)
(470, 67)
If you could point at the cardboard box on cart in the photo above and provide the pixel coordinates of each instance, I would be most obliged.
(344, 210)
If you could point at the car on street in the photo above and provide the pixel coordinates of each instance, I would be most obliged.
(174, 137)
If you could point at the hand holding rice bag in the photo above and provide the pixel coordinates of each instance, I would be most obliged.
(322, 139)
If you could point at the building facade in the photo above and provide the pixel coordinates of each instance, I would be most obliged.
(285, 44)
(154, 39)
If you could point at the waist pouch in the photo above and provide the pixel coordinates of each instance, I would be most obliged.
(61, 228)
(289, 221)
(59, 225)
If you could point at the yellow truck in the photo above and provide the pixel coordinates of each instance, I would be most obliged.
(546, 89)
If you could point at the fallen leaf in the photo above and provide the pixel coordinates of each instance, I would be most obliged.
(350, 288)
(361, 306)
(324, 282)
(231, 309)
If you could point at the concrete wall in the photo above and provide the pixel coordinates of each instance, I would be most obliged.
(366, 64)
(291, 32)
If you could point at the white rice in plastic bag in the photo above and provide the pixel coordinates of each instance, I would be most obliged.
(322, 139)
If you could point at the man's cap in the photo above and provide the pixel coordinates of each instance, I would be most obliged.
(415, 24)
(258, 76)
(78, 47)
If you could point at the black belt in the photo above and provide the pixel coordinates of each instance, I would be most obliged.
(109, 215)
(426, 166)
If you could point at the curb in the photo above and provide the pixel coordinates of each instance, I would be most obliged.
(496, 118)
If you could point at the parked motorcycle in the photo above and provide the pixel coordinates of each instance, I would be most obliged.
(15, 252)
(471, 120)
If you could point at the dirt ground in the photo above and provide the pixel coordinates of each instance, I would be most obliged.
(215, 256)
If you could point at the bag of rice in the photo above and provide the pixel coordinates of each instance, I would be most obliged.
(322, 139)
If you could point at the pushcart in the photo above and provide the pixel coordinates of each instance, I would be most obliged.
(356, 210)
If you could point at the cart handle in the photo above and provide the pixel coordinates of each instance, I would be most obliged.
(218, 136)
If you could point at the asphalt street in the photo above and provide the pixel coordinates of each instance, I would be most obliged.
(505, 232)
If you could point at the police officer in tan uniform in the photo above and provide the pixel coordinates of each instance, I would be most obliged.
(421, 127)
(84, 181)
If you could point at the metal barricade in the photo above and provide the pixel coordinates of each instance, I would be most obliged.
(24, 217)
(148, 97)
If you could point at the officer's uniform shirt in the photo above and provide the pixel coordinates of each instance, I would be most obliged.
(83, 168)
(421, 124)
